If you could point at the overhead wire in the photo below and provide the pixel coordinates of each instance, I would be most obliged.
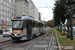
(46, 4)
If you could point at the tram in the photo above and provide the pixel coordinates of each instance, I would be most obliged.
(24, 28)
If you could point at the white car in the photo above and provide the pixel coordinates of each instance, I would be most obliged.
(7, 33)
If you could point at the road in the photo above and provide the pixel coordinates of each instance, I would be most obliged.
(4, 38)
(42, 42)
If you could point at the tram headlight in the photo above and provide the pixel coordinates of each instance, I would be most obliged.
(15, 34)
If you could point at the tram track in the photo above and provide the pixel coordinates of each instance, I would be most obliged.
(8, 44)
(35, 44)
(25, 44)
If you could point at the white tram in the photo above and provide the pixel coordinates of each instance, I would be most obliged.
(24, 27)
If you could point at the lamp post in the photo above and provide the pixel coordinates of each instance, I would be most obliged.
(60, 26)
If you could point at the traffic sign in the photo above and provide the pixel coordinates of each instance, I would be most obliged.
(4, 24)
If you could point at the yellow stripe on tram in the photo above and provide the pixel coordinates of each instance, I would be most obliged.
(18, 31)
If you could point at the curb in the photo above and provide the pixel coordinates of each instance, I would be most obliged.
(58, 42)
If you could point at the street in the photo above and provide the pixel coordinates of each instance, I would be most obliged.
(4, 38)
(42, 42)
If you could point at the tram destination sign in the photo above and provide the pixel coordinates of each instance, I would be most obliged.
(17, 17)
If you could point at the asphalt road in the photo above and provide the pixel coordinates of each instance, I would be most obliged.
(4, 38)
(38, 43)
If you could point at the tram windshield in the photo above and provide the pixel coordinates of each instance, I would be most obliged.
(17, 24)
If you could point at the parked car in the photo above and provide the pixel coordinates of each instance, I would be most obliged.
(7, 33)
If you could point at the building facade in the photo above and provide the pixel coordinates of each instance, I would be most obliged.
(21, 7)
(6, 12)
(33, 11)
(27, 8)
(36, 13)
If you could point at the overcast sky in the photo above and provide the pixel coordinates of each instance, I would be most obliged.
(46, 13)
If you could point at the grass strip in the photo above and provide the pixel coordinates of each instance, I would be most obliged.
(63, 40)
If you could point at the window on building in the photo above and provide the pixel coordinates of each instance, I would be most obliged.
(4, 2)
(1, 1)
(1, 12)
(7, 19)
(1, 18)
(6, 23)
(7, 4)
(4, 8)
(1, 6)
(10, 15)
(9, 1)
(7, 9)
(5, 13)
(13, 1)
(4, 19)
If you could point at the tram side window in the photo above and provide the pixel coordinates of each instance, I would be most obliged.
(28, 22)
(35, 24)
(41, 25)
(24, 24)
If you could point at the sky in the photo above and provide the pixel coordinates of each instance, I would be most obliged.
(46, 13)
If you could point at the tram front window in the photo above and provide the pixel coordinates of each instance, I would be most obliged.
(17, 24)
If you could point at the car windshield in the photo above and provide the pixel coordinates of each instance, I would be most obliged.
(6, 30)
(17, 24)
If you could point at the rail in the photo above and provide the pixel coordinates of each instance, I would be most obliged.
(37, 41)
(40, 39)
(50, 41)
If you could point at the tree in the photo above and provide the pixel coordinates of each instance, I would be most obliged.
(59, 12)
(50, 23)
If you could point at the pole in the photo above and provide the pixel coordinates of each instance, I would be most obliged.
(61, 27)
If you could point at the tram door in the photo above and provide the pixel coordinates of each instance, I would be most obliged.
(29, 30)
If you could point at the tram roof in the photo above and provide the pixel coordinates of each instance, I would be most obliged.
(28, 18)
